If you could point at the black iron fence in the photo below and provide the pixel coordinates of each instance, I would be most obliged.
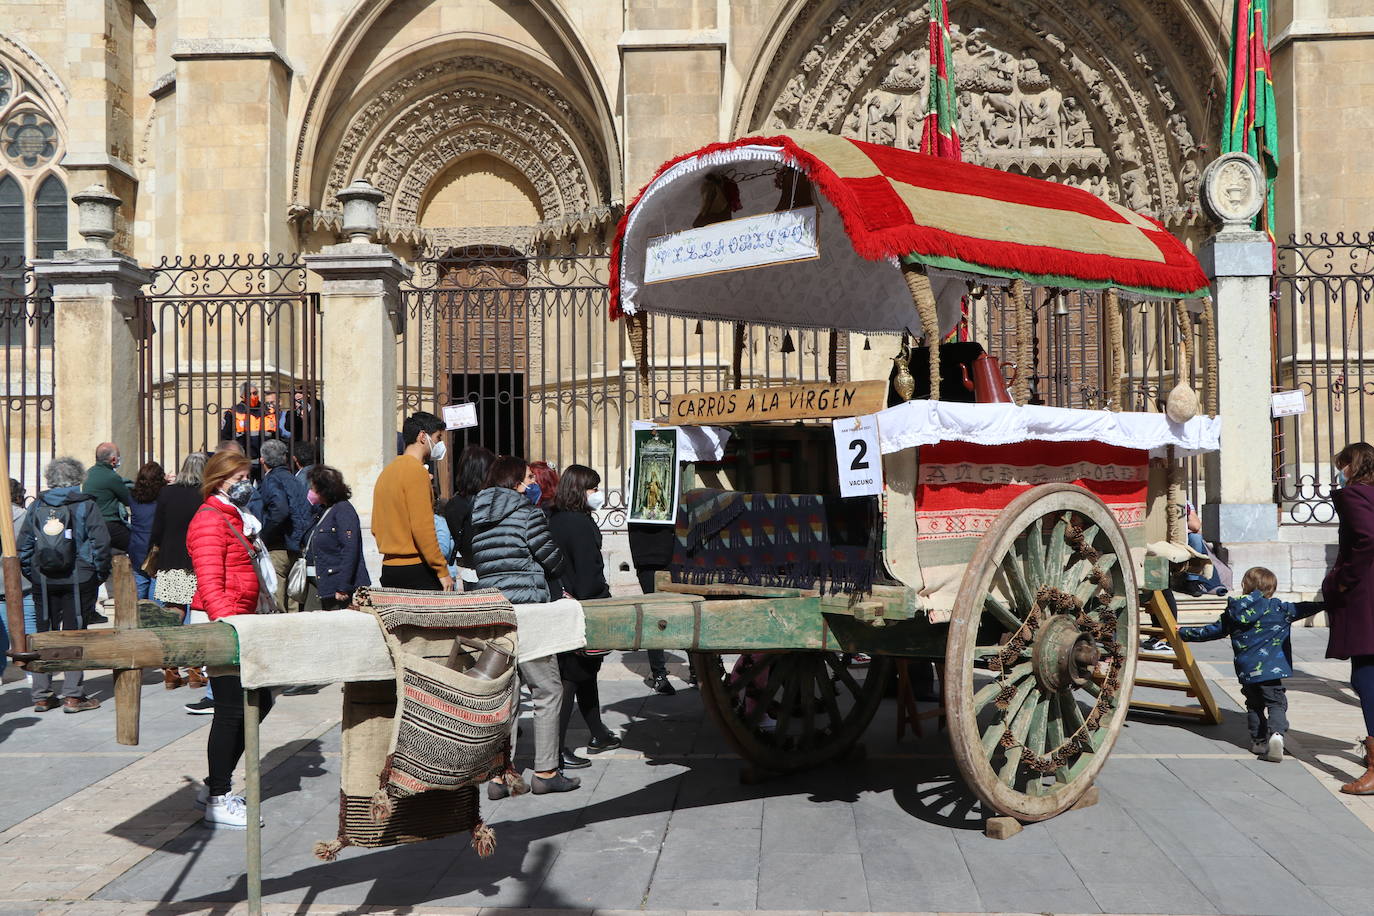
(528, 341)
(208, 327)
(26, 316)
(1324, 349)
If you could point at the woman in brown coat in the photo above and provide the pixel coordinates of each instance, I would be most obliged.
(1349, 590)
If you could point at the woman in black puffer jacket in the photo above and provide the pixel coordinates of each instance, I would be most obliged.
(513, 551)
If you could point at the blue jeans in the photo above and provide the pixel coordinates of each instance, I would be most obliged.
(1209, 583)
(146, 584)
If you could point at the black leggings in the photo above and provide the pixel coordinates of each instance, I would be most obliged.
(226, 731)
(579, 685)
(417, 576)
(1362, 682)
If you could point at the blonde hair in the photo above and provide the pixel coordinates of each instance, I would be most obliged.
(1261, 579)
(219, 468)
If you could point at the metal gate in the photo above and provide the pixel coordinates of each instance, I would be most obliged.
(529, 342)
(28, 327)
(209, 325)
(1324, 347)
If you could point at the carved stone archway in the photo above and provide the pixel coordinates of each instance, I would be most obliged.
(1110, 97)
(406, 134)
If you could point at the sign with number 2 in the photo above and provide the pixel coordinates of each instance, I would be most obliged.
(858, 456)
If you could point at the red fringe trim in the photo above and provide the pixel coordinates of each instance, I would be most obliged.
(1182, 274)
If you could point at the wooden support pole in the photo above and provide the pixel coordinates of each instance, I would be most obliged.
(923, 297)
(252, 795)
(1209, 357)
(128, 682)
(1116, 350)
(737, 358)
(13, 576)
(1025, 344)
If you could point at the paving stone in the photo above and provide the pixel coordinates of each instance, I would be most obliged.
(1256, 886)
(826, 882)
(714, 894)
(582, 879)
(1010, 879)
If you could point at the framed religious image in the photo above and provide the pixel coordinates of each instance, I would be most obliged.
(654, 475)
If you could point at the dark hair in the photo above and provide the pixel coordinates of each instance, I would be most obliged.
(1257, 577)
(419, 422)
(573, 486)
(220, 467)
(329, 484)
(473, 465)
(149, 481)
(506, 471)
(16, 493)
(547, 477)
(1358, 459)
(305, 453)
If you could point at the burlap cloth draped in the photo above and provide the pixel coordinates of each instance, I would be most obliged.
(416, 748)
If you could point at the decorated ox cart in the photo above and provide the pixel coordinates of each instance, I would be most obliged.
(1002, 539)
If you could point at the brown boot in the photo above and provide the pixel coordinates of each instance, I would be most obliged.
(195, 678)
(79, 704)
(171, 678)
(1365, 784)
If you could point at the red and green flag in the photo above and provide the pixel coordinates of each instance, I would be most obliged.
(1251, 114)
(940, 132)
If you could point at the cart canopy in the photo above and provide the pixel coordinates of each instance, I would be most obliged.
(873, 203)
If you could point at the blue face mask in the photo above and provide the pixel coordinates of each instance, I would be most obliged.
(533, 492)
(1341, 478)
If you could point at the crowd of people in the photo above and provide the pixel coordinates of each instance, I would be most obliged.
(223, 534)
(229, 529)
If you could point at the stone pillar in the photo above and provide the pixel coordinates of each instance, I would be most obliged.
(95, 359)
(1240, 492)
(362, 308)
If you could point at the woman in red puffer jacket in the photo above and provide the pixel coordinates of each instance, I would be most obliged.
(226, 585)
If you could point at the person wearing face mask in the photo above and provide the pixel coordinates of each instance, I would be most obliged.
(334, 551)
(1348, 589)
(403, 510)
(222, 540)
(541, 493)
(249, 421)
(575, 531)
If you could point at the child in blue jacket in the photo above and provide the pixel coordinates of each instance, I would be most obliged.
(1259, 625)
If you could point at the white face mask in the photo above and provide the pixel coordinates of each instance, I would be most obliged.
(595, 500)
(438, 448)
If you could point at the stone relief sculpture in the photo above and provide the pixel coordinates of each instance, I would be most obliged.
(1071, 92)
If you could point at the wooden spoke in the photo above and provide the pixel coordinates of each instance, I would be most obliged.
(819, 706)
(1001, 613)
(1024, 553)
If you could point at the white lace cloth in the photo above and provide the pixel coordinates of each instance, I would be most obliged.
(918, 423)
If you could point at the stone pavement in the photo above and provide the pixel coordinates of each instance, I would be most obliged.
(1189, 821)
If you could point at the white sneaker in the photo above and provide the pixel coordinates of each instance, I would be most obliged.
(203, 794)
(1274, 752)
(226, 811)
(1259, 748)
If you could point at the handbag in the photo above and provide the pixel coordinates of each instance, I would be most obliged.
(149, 567)
(267, 603)
(298, 577)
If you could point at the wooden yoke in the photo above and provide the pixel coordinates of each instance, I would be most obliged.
(918, 282)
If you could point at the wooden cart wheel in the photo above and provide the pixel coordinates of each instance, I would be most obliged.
(1041, 652)
(787, 711)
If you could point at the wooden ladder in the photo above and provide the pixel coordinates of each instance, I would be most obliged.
(1165, 612)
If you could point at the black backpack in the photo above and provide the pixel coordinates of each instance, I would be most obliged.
(54, 548)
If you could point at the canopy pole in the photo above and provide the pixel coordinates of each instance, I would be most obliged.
(1020, 296)
(834, 366)
(1116, 349)
(1209, 343)
(1176, 515)
(737, 358)
(918, 282)
(638, 327)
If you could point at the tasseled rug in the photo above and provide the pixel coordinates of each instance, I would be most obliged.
(416, 748)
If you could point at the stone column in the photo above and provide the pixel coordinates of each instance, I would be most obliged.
(362, 310)
(95, 330)
(1240, 506)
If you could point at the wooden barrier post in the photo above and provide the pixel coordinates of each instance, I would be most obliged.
(13, 576)
(128, 682)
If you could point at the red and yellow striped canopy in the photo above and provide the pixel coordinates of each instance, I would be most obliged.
(895, 203)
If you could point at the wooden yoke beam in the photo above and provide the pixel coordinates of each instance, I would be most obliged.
(154, 647)
(128, 682)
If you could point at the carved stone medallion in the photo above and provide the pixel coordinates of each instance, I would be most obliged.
(1233, 189)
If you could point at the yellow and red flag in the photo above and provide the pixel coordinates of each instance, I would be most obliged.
(1251, 115)
(940, 132)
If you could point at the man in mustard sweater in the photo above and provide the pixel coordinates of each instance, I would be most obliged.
(403, 511)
